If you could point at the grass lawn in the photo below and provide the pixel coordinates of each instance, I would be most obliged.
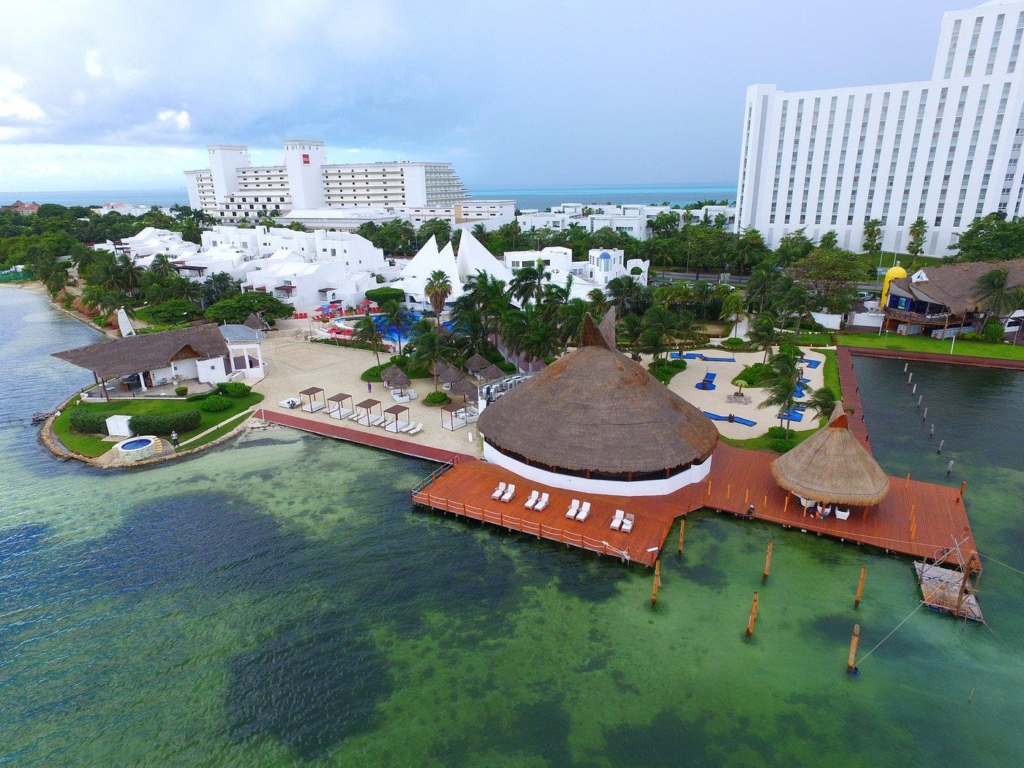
(928, 344)
(831, 372)
(94, 445)
(222, 430)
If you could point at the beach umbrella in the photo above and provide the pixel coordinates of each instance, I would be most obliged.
(451, 374)
(464, 387)
(439, 367)
(491, 373)
(477, 363)
(741, 384)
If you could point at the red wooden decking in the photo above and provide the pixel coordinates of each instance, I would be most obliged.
(916, 519)
(375, 439)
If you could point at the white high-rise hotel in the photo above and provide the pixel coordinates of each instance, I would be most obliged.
(945, 150)
(232, 190)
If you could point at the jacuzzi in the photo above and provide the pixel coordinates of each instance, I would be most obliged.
(136, 448)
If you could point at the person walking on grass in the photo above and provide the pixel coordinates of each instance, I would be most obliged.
(174, 438)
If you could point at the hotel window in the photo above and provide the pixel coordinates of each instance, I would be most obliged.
(974, 46)
(1015, 51)
(952, 48)
(995, 44)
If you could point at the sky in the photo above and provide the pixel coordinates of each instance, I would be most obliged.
(126, 95)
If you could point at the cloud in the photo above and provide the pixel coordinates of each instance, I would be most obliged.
(12, 103)
(92, 63)
(180, 119)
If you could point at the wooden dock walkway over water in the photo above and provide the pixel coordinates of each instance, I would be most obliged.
(917, 519)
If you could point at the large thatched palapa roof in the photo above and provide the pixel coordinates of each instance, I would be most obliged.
(147, 352)
(596, 410)
(832, 466)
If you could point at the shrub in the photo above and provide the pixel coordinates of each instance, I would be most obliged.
(215, 404)
(993, 331)
(198, 396)
(234, 389)
(971, 336)
(755, 374)
(88, 422)
(437, 398)
(185, 421)
(733, 341)
(382, 296)
(172, 311)
(780, 433)
(780, 446)
(181, 391)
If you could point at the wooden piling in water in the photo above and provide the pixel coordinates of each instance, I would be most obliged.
(860, 586)
(682, 532)
(767, 562)
(963, 487)
(854, 641)
(657, 582)
(753, 617)
(907, 484)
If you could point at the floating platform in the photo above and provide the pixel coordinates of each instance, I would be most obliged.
(941, 590)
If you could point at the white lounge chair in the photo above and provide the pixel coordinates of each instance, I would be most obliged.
(843, 514)
(584, 512)
(542, 504)
(533, 499)
(617, 520)
(344, 413)
(406, 427)
(573, 508)
(411, 393)
(416, 430)
(376, 419)
(627, 524)
(509, 493)
(498, 491)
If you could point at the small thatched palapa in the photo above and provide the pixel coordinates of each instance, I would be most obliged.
(477, 363)
(395, 377)
(596, 411)
(832, 466)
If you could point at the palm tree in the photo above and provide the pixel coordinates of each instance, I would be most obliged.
(994, 291)
(161, 265)
(763, 332)
(468, 329)
(822, 401)
(128, 274)
(528, 282)
(570, 322)
(397, 317)
(623, 293)
(366, 332)
(426, 347)
(598, 301)
(438, 288)
(733, 306)
(781, 387)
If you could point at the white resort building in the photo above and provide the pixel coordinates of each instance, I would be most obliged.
(305, 188)
(945, 149)
(632, 220)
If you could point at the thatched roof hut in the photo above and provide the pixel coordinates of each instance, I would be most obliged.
(596, 413)
(477, 363)
(832, 466)
(465, 387)
(395, 378)
(490, 373)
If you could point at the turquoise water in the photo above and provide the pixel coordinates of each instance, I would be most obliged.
(277, 602)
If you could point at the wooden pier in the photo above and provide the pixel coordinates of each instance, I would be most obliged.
(918, 519)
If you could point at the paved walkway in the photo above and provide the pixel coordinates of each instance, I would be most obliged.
(371, 439)
(931, 357)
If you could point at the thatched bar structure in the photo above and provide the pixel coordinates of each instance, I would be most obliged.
(832, 466)
(595, 420)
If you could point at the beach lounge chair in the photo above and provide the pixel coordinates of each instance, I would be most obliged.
(542, 504)
(627, 524)
(584, 512)
(573, 508)
(411, 394)
(416, 430)
(499, 490)
(509, 493)
(843, 514)
(530, 502)
(617, 520)
(406, 427)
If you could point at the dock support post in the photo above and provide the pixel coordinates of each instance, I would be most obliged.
(657, 582)
(913, 390)
(785, 505)
(860, 586)
(753, 617)
(963, 487)
(925, 414)
(907, 484)
(728, 491)
(854, 641)
(910, 378)
(709, 487)
(746, 497)
(767, 562)
(682, 533)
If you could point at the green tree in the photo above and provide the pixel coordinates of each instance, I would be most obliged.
(440, 229)
(426, 347)
(780, 387)
(872, 238)
(822, 401)
(734, 307)
(992, 238)
(793, 247)
(831, 274)
(829, 240)
(398, 318)
(366, 332)
(995, 293)
(918, 236)
(528, 282)
(237, 309)
(763, 333)
(437, 289)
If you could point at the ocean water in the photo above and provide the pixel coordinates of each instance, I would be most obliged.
(163, 198)
(278, 601)
(543, 196)
(526, 196)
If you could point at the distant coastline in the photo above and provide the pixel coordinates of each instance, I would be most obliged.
(526, 195)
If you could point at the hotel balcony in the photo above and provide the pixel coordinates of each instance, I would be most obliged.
(920, 318)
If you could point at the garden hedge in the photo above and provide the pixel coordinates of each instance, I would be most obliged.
(88, 422)
(185, 421)
(215, 404)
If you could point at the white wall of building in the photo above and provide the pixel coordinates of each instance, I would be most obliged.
(945, 149)
(583, 485)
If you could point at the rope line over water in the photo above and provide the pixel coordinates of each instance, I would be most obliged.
(860, 661)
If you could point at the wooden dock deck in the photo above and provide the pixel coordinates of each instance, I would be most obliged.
(917, 519)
